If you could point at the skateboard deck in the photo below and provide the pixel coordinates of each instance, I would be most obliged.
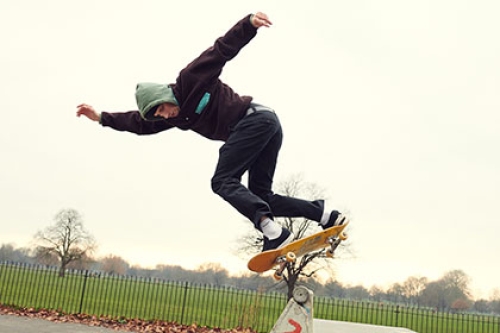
(328, 238)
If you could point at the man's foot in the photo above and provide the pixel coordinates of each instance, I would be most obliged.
(335, 219)
(285, 238)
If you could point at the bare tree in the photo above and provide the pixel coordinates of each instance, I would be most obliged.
(413, 288)
(9, 253)
(213, 273)
(114, 265)
(458, 281)
(310, 263)
(66, 239)
(396, 293)
(376, 293)
(452, 286)
(495, 301)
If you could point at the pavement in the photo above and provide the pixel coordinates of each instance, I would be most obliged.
(18, 324)
(328, 326)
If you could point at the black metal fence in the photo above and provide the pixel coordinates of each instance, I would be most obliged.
(100, 294)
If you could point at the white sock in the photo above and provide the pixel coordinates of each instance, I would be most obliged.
(325, 217)
(270, 229)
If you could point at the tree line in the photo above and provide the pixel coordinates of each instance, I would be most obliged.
(451, 292)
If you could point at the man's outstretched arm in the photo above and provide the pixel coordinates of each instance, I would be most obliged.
(130, 121)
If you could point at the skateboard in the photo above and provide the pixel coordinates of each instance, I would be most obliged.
(329, 238)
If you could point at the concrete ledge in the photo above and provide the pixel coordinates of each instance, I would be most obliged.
(331, 326)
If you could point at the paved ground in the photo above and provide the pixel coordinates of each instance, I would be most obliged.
(16, 324)
(328, 326)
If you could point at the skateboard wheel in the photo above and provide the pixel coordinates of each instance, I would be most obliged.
(329, 253)
(291, 257)
(278, 276)
(343, 236)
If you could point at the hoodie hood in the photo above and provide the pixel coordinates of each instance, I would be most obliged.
(150, 95)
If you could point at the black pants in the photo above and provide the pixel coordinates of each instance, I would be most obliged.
(253, 146)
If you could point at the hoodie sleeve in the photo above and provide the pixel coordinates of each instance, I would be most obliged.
(132, 122)
(208, 66)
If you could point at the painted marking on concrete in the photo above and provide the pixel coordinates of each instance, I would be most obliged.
(295, 324)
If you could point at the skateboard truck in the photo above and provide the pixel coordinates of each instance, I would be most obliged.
(283, 262)
(290, 257)
(334, 242)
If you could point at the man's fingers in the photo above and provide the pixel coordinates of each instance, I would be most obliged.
(263, 19)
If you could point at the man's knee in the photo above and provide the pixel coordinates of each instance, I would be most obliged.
(222, 186)
(216, 185)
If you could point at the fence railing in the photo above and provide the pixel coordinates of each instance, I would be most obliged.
(101, 294)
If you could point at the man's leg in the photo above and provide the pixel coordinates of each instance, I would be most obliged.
(260, 181)
(250, 136)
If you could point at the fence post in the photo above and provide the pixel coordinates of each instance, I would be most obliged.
(2, 269)
(184, 301)
(397, 316)
(83, 290)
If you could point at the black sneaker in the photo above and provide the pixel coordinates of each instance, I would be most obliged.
(285, 238)
(335, 219)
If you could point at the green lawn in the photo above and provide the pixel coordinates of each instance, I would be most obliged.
(185, 303)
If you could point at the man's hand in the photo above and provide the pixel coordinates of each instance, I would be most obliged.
(260, 20)
(88, 111)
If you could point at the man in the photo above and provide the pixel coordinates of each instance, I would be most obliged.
(201, 102)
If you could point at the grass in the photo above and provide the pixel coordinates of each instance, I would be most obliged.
(134, 297)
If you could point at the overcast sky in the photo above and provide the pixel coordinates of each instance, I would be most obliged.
(391, 106)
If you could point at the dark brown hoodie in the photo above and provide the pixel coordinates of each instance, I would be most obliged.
(207, 105)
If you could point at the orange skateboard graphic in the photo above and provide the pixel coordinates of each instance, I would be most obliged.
(329, 238)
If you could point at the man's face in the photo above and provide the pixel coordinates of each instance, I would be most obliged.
(167, 111)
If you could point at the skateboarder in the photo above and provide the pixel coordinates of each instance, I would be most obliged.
(252, 134)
